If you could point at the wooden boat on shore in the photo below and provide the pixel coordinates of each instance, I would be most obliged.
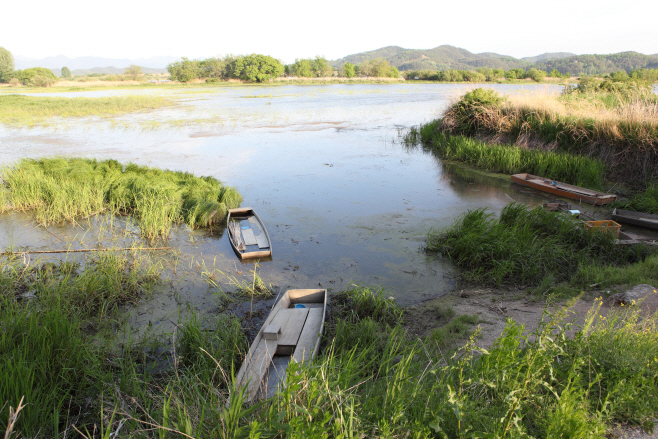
(291, 331)
(247, 234)
(638, 219)
(564, 190)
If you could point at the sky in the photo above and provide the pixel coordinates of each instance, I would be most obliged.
(300, 29)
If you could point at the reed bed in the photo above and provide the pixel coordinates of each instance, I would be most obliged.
(508, 159)
(646, 201)
(619, 128)
(524, 246)
(59, 189)
(29, 111)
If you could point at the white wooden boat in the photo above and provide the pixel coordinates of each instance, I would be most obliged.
(247, 234)
(291, 332)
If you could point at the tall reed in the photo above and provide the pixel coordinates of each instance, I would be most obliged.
(59, 189)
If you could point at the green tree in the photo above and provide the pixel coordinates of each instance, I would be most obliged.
(379, 67)
(133, 71)
(66, 72)
(6, 65)
(348, 70)
(536, 75)
(302, 68)
(256, 68)
(555, 73)
(184, 70)
(212, 68)
(321, 67)
(27, 77)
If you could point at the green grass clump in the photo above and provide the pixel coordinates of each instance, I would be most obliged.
(644, 272)
(524, 246)
(456, 329)
(619, 127)
(357, 303)
(646, 201)
(509, 159)
(59, 189)
(27, 111)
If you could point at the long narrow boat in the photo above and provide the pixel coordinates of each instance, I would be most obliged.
(564, 190)
(247, 234)
(639, 219)
(291, 331)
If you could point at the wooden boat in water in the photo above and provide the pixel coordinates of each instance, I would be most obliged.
(638, 219)
(247, 234)
(564, 190)
(291, 332)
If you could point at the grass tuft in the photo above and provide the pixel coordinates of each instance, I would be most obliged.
(59, 189)
(525, 245)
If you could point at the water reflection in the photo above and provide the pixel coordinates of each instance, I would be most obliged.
(342, 200)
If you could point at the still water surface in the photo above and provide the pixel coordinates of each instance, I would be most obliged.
(344, 202)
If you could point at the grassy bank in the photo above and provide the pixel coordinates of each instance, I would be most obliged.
(27, 111)
(508, 159)
(618, 127)
(372, 379)
(59, 189)
(525, 247)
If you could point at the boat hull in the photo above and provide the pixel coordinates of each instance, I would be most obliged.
(297, 339)
(644, 220)
(564, 190)
(246, 212)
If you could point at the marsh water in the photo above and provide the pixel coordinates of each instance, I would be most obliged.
(344, 202)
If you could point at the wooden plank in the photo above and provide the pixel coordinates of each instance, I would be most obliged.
(307, 296)
(310, 335)
(283, 303)
(258, 364)
(256, 254)
(248, 236)
(293, 329)
(275, 375)
(262, 241)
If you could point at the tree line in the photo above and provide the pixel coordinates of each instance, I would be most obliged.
(261, 68)
(537, 75)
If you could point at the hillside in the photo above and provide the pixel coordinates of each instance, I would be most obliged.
(440, 58)
(548, 55)
(449, 57)
(600, 64)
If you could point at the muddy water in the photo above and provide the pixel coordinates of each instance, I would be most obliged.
(343, 201)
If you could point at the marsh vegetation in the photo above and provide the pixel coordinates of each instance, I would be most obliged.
(59, 189)
(29, 111)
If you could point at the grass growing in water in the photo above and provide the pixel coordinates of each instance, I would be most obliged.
(621, 129)
(27, 111)
(646, 201)
(524, 246)
(509, 159)
(59, 189)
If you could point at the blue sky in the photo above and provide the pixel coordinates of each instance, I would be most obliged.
(290, 29)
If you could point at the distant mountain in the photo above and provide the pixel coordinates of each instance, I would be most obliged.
(91, 62)
(600, 64)
(440, 58)
(548, 55)
(449, 57)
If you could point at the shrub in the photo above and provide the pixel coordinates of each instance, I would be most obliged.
(14, 82)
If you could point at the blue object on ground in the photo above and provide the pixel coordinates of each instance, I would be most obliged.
(299, 305)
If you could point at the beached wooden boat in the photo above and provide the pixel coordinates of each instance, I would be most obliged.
(291, 332)
(564, 190)
(638, 219)
(247, 234)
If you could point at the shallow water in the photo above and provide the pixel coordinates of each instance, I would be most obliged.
(343, 201)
